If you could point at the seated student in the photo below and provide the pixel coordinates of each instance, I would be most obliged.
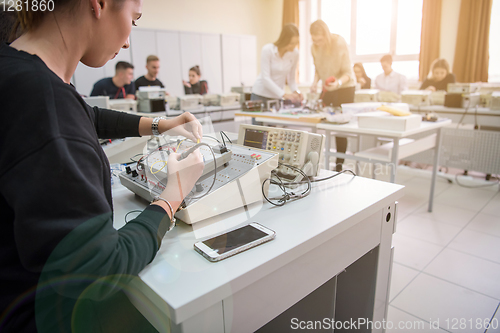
(195, 86)
(361, 76)
(439, 76)
(118, 86)
(150, 79)
(389, 80)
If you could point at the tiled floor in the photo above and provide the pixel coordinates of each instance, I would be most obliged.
(446, 267)
(446, 270)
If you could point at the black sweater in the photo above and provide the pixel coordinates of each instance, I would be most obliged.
(439, 85)
(56, 234)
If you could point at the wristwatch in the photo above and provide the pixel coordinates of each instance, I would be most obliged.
(340, 82)
(154, 126)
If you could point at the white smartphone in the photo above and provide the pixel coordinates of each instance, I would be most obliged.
(234, 241)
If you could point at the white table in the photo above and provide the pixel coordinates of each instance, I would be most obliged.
(483, 117)
(346, 222)
(284, 119)
(390, 153)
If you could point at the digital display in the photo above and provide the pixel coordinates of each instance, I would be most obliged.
(255, 138)
(234, 239)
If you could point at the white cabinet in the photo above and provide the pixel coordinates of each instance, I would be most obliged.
(142, 44)
(231, 62)
(190, 52)
(168, 46)
(211, 62)
(225, 60)
(239, 59)
(85, 77)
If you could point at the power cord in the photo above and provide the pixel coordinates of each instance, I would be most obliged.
(132, 211)
(287, 196)
(222, 134)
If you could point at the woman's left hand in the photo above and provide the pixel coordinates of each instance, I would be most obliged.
(332, 86)
(185, 125)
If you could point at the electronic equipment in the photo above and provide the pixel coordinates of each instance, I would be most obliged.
(211, 100)
(151, 99)
(244, 91)
(230, 99)
(274, 105)
(416, 97)
(238, 178)
(462, 88)
(235, 241)
(485, 99)
(300, 149)
(366, 95)
(495, 100)
(99, 101)
(190, 102)
(123, 104)
(172, 102)
(256, 105)
(453, 100)
(437, 97)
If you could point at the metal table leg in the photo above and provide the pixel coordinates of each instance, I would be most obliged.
(437, 150)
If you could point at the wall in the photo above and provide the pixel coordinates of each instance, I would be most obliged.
(261, 18)
(449, 28)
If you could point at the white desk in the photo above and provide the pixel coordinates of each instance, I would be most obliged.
(392, 152)
(285, 119)
(480, 116)
(343, 222)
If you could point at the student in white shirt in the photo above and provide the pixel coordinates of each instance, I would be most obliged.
(278, 66)
(389, 80)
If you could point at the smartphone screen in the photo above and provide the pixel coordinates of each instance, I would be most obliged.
(234, 239)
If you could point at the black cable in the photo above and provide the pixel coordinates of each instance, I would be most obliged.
(323, 179)
(463, 116)
(222, 133)
(132, 211)
(215, 171)
(287, 196)
(211, 137)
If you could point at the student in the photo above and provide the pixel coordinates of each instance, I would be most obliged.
(118, 86)
(278, 66)
(63, 263)
(361, 76)
(195, 86)
(150, 79)
(439, 76)
(332, 61)
(389, 80)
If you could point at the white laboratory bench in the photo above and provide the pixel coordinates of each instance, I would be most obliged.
(481, 116)
(331, 258)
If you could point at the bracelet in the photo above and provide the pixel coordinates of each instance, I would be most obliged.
(172, 219)
(154, 126)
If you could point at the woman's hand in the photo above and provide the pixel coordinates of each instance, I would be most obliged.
(331, 86)
(362, 81)
(431, 88)
(182, 176)
(185, 125)
(187, 84)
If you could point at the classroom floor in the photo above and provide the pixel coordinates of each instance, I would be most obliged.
(446, 270)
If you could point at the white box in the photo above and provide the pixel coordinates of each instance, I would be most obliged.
(416, 97)
(366, 95)
(386, 121)
(462, 88)
(495, 101)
